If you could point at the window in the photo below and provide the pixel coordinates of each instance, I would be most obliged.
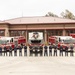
(17, 33)
(2, 33)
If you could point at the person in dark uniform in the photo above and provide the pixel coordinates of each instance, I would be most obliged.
(5, 51)
(55, 50)
(71, 50)
(10, 51)
(15, 51)
(61, 50)
(25, 50)
(45, 50)
(66, 51)
(41, 50)
(50, 50)
(0, 51)
(20, 50)
(30, 49)
(36, 51)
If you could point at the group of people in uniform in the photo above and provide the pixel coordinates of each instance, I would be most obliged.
(4, 51)
(52, 50)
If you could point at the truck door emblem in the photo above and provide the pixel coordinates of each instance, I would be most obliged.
(35, 35)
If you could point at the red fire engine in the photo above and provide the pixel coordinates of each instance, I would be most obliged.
(6, 42)
(12, 41)
(61, 40)
(19, 40)
(72, 34)
(35, 40)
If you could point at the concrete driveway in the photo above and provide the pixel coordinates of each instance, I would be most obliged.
(37, 65)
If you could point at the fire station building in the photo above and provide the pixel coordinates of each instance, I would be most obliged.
(48, 25)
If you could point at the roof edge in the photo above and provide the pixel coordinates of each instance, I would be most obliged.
(35, 17)
(3, 22)
(41, 23)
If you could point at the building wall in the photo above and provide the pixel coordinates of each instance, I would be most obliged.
(4, 30)
(36, 26)
(47, 29)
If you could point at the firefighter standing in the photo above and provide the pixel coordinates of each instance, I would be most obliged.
(41, 50)
(71, 50)
(45, 50)
(66, 51)
(10, 51)
(20, 50)
(0, 51)
(55, 50)
(15, 51)
(61, 50)
(30, 49)
(50, 50)
(25, 50)
(5, 51)
(36, 51)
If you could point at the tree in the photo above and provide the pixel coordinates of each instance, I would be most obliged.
(51, 14)
(67, 14)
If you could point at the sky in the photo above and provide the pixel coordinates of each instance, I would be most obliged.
(28, 8)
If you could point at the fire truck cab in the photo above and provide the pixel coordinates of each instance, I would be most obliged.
(62, 40)
(19, 40)
(56, 39)
(7, 42)
(35, 40)
(12, 41)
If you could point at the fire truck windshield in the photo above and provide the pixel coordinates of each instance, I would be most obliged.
(69, 41)
(35, 41)
(3, 42)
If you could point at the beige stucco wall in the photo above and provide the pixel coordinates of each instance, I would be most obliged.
(17, 27)
(5, 27)
(39, 26)
(6, 30)
(69, 26)
(35, 26)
